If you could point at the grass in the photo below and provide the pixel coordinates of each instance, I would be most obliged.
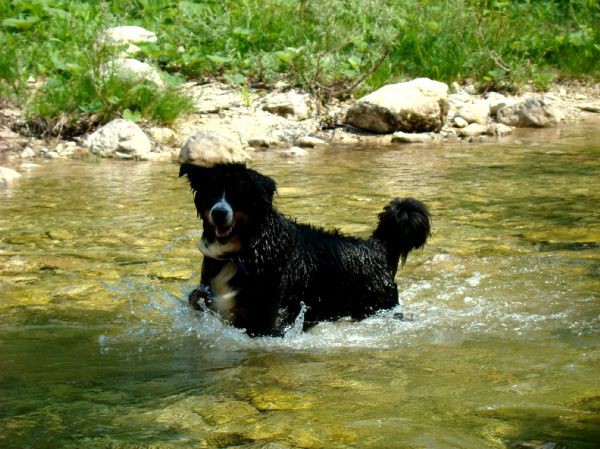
(332, 49)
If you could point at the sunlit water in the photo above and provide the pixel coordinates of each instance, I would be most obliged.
(500, 349)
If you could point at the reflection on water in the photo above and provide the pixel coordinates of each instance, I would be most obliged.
(97, 348)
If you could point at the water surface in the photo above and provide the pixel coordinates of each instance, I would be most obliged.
(99, 350)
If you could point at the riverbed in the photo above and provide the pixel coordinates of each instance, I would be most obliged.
(499, 346)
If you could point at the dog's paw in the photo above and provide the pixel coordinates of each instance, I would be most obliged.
(199, 297)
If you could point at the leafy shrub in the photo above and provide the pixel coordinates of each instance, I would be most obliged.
(339, 48)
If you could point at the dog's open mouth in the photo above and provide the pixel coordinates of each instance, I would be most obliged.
(223, 232)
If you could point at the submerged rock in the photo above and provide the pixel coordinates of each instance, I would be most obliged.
(207, 147)
(419, 105)
(121, 139)
(532, 113)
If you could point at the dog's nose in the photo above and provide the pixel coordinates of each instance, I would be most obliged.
(221, 216)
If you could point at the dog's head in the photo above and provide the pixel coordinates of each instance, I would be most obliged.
(232, 200)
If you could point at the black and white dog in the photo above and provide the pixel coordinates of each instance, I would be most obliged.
(259, 266)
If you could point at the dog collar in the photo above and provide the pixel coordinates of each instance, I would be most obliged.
(240, 264)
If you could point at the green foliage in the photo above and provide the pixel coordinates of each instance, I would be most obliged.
(332, 49)
(107, 98)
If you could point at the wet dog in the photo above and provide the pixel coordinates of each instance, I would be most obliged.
(260, 267)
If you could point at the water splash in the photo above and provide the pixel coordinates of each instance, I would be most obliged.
(453, 305)
(295, 330)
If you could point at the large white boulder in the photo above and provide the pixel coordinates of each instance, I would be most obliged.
(206, 147)
(420, 105)
(120, 139)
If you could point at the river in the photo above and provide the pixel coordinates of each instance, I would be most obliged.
(500, 348)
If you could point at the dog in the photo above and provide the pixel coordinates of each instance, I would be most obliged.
(261, 269)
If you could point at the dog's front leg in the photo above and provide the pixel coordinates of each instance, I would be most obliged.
(200, 298)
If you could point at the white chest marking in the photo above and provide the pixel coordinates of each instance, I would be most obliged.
(223, 292)
(216, 250)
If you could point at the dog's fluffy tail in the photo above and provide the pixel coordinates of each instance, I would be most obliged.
(404, 225)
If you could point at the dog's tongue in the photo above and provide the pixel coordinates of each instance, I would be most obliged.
(223, 232)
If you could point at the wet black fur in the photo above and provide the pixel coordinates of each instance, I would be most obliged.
(283, 263)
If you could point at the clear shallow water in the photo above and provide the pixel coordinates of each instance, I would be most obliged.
(97, 349)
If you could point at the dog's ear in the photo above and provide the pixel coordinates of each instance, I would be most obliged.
(266, 185)
(195, 174)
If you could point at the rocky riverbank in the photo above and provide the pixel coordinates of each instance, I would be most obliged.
(232, 124)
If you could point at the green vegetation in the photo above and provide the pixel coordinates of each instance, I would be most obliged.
(334, 48)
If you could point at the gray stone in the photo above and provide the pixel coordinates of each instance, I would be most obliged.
(28, 166)
(499, 130)
(310, 142)
(288, 104)
(471, 89)
(129, 69)
(589, 107)
(532, 113)
(27, 153)
(459, 99)
(420, 105)
(262, 142)
(121, 139)
(497, 101)
(459, 122)
(127, 36)
(65, 149)
(161, 135)
(476, 112)
(256, 126)
(473, 130)
(215, 97)
(401, 137)
(161, 156)
(8, 176)
(52, 155)
(295, 152)
(207, 148)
